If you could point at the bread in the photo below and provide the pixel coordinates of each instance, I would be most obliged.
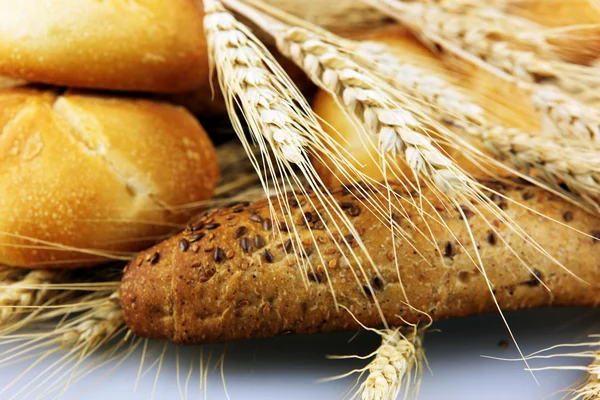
(154, 45)
(476, 82)
(94, 172)
(201, 286)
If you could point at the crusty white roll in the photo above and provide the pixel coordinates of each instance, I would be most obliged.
(151, 45)
(83, 176)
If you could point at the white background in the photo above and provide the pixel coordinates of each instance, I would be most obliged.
(289, 367)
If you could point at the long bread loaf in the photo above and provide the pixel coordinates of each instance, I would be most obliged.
(230, 278)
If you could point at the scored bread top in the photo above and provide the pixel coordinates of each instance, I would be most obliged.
(151, 45)
(94, 172)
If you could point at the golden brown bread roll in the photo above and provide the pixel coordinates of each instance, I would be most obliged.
(154, 45)
(231, 277)
(93, 172)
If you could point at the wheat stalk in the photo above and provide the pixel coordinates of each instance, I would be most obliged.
(398, 357)
(99, 326)
(396, 129)
(396, 364)
(591, 389)
(472, 39)
(281, 121)
(32, 289)
(553, 162)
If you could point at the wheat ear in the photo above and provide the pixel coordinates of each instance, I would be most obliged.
(396, 366)
(471, 41)
(555, 163)
(282, 123)
(31, 290)
(86, 323)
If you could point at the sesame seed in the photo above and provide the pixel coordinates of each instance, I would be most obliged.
(390, 255)
(218, 254)
(184, 245)
(196, 237)
(255, 218)
(268, 256)
(450, 249)
(259, 242)
(377, 283)
(246, 245)
(312, 277)
(229, 254)
(239, 232)
(332, 263)
(568, 216)
(354, 211)
(528, 195)
(267, 225)
(154, 258)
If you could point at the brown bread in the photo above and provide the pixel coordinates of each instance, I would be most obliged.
(230, 278)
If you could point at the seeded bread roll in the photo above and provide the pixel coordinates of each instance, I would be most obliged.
(229, 278)
(97, 173)
(154, 45)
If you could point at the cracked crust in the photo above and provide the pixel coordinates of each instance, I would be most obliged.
(224, 285)
(150, 46)
(94, 172)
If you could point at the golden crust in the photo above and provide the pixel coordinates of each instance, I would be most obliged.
(94, 172)
(182, 290)
(154, 46)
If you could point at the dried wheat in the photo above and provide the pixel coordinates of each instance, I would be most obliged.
(475, 40)
(417, 82)
(557, 162)
(33, 289)
(281, 121)
(396, 365)
(98, 327)
(398, 357)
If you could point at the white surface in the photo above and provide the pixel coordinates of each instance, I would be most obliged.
(288, 367)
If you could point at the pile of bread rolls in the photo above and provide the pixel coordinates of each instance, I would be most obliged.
(89, 168)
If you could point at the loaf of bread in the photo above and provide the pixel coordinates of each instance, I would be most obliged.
(234, 275)
(86, 175)
(153, 45)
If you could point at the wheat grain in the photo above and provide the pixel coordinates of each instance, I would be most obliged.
(398, 357)
(591, 389)
(33, 289)
(100, 325)
(557, 162)
(475, 40)
(562, 114)
(417, 82)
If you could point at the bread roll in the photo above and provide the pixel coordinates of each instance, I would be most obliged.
(93, 172)
(482, 86)
(154, 45)
(230, 278)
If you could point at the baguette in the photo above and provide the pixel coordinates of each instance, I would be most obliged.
(229, 277)
(85, 175)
